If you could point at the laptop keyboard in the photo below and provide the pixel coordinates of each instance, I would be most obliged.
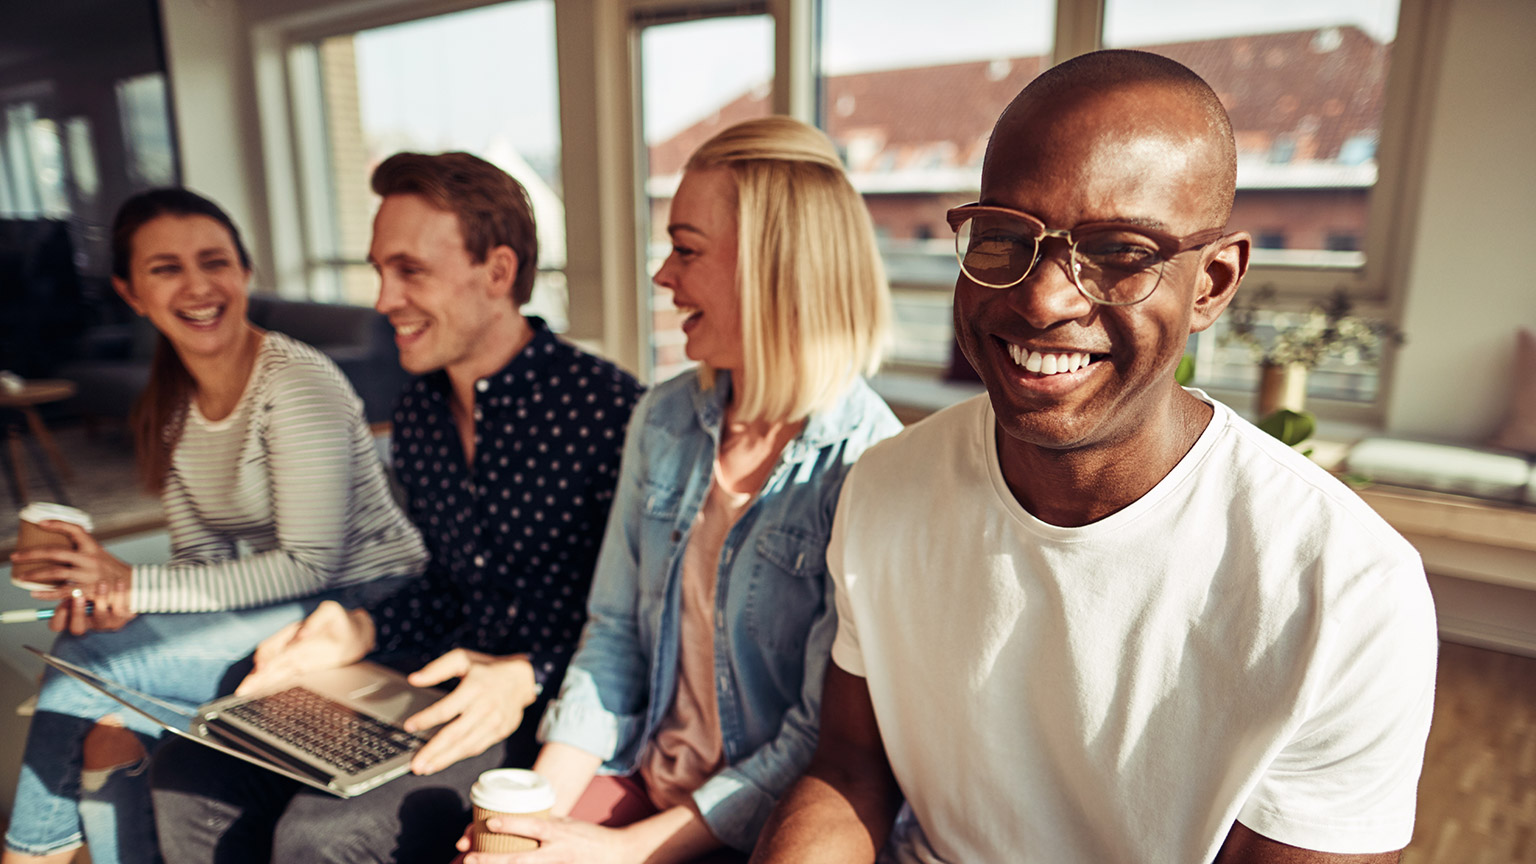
(326, 730)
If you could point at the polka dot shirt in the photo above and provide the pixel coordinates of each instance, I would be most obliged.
(514, 537)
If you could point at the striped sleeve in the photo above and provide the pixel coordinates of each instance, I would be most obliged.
(302, 416)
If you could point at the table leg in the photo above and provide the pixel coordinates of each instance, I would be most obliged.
(40, 432)
(17, 466)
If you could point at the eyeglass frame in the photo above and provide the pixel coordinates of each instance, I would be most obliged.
(1168, 245)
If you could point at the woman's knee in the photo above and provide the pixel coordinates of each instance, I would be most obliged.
(110, 747)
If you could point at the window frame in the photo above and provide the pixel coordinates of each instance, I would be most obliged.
(295, 153)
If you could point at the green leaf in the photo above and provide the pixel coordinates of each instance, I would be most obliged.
(1186, 371)
(1291, 427)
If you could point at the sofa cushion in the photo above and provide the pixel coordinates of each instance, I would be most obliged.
(1443, 468)
(327, 326)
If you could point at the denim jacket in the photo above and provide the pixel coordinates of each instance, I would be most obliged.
(774, 611)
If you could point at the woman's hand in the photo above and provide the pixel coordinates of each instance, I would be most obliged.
(105, 613)
(87, 566)
(561, 841)
(330, 637)
(86, 573)
(675, 834)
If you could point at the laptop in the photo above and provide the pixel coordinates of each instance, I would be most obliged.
(336, 730)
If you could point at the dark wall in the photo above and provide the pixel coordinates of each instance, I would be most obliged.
(69, 69)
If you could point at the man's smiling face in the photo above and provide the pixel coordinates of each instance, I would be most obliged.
(438, 299)
(1063, 372)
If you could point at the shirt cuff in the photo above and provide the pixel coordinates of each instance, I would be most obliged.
(734, 808)
(578, 719)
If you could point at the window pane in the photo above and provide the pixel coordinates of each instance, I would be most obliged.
(82, 158)
(1303, 82)
(146, 114)
(1224, 364)
(909, 92)
(483, 81)
(23, 198)
(681, 109)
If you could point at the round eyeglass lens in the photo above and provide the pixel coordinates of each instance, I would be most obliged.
(1117, 265)
(995, 250)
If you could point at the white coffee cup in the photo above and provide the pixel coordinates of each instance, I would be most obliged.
(508, 792)
(31, 535)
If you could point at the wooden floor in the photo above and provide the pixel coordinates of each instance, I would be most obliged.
(1477, 798)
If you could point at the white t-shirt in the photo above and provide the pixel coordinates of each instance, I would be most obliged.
(1249, 641)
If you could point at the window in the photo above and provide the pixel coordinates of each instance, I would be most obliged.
(909, 90)
(23, 198)
(679, 110)
(1342, 242)
(85, 122)
(1341, 166)
(1306, 90)
(146, 116)
(1272, 238)
(482, 81)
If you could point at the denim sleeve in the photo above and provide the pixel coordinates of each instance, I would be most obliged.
(736, 802)
(602, 700)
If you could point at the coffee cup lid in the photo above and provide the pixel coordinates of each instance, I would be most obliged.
(42, 511)
(512, 790)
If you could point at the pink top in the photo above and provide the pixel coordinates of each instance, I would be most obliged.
(687, 749)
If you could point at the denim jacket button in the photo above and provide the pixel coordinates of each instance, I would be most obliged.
(676, 535)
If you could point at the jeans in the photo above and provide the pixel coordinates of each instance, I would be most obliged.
(185, 659)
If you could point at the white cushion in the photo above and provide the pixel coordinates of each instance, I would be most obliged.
(1444, 468)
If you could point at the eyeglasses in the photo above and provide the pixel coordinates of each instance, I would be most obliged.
(1113, 263)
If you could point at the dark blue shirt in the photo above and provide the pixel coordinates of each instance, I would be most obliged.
(514, 537)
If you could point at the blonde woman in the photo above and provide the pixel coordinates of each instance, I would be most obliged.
(694, 698)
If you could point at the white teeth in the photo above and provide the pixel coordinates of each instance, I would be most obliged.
(1047, 364)
(202, 314)
(410, 329)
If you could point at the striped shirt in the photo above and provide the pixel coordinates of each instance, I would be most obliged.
(283, 498)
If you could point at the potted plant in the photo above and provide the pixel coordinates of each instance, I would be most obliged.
(1290, 345)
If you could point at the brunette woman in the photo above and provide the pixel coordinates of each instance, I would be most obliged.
(274, 499)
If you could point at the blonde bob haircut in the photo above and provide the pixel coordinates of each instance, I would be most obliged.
(814, 300)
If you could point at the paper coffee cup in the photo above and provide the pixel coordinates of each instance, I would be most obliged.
(508, 792)
(30, 535)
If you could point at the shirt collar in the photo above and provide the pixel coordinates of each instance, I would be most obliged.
(824, 427)
(512, 379)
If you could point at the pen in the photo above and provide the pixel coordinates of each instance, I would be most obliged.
(17, 616)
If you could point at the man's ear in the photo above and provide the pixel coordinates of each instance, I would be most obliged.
(501, 263)
(1226, 261)
(125, 291)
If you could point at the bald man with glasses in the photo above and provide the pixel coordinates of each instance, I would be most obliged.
(1093, 616)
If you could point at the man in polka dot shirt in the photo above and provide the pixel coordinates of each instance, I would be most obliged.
(507, 447)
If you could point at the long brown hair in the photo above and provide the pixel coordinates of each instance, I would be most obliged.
(158, 415)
